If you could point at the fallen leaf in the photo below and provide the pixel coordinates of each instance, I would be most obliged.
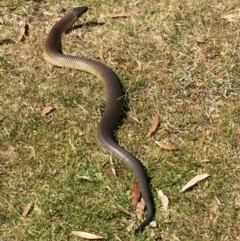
(47, 110)
(135, 193)
(86, 178)
(167, 146)
(21, 30)
(205, 160)
(53, 172)
(27, 209)
(122, 15)
(153, 126)
(218, 200)
(238, 130)
(194, 181)
(140, 209)
(113, 167)
(164, 199)
(220, 74)
(86, 235)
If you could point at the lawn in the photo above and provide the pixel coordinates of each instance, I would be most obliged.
(176, 59)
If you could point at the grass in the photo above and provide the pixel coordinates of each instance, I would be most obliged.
(178, 58)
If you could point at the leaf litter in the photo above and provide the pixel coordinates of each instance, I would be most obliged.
(22, 28)
(136, 194)
(154, 126)
(27, 209)
(87, 235)
(113, 167)
(137, 201)
(167, 146)
(140, 209)
(47, 110)
(164, 199)
(194, 181)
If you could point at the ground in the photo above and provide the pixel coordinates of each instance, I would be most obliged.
(178, 59)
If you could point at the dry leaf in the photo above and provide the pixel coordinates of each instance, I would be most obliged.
(194, 181)
(153, 126)
(238, 130)
(167, 146)
(113, 167)
(85, 178)
(122, 15)
(220, 74)
(205, 160)
(27, 209)
(140, 209)
(218, 200)
(86, 235)
(53, 172)
(164, 199)
(21, 30)
(135, 193)
(47, 110)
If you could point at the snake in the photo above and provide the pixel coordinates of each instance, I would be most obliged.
(113, 108)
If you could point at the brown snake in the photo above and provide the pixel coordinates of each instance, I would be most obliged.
(113, 107)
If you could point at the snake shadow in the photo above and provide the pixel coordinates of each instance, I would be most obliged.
(125, 108)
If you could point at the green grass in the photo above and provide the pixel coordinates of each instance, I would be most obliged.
(168, 55)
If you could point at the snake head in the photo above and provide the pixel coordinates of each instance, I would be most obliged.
(80, 10)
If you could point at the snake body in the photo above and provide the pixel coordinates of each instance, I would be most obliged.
(113, 107)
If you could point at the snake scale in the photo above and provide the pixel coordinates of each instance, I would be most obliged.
(114, 102)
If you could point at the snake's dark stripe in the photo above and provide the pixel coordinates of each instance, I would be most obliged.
(113, 107)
